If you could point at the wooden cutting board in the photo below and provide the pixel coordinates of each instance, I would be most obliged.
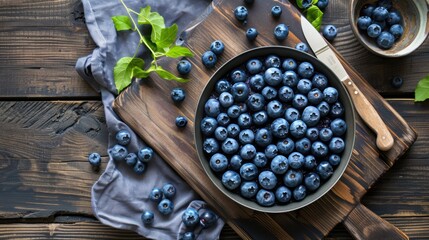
(146, 106)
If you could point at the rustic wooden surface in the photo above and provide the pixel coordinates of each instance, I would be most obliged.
(45, 179)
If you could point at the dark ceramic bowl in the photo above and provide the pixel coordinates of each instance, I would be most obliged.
(333, 81)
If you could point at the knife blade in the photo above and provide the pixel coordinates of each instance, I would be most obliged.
(365, 109)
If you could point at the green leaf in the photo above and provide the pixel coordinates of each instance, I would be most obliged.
(314, 16)
(150, 44)
(178, 51)
(422, 90)
(140, 73)
(154, 19)
(167, 37)
(123, 71)
(122, 23)
(168, 75)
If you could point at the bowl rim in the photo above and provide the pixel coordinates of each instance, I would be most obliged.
(350, 135)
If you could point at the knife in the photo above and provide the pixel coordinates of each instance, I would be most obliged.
(364, 108)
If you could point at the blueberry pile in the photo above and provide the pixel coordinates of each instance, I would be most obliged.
(163, 198)
(209, 58)
(381, 22)
(273, 130)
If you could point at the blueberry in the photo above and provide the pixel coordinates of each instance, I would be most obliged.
(280, 128)
(374, 30)
(271, 151)
(310, 162)
(322, 4)
(385, 3)
(276, 11)
(188, 236)
(286, 94)
(394, 18)
(312, 181)
(311, 116)
(248, 171)
(169, 190)
(338, 127)
(240, 91)
(285, 146)
(217, 47)
(396, 82)
(240, 13)
(303, 145)
(145, 154)
(246, 136)
(289, 64)
(269, 92)
(256, 82)
(131, 159)
(190, 217)
(367, 10)
(230, 146)
(363, 22)
(323, 108)
(299, 101)
(218, 162)
(123, 137)
(325, 134)
(272, 61)
(118, 152)
(156, 195)
(334, 159)
(178, 95)
(147, 217)
(207, 219)
(231, 179)
(209, 59)
(315, 96)
(307, 3)
(296, 160)
(305, 70)
(225, 100)
(265, 198)
(325, 170)
(223, 119)
(236, 162)
(249, 189)
(330, 95)
(299, 193)
(281, 32)
(301, 46)
(319, 149)
(238, 75)
(337, 110)
(273, 76)
(298, 129)
(279, 164)
(251, 34)
(263, 137)
(210, 146)
(139, 168)
(329, 32)
(222, 86)
(244, 121)
(380, 14)
(336, 145)
(260, 118)
(247, 152)
(234, 111)
(181, 121)
(260, 160)
(256, 102)
(290, 79)
(292, 178)
(233, 130)
(267, 180)
(254, 66)
(275, 109)
(304, 86)
(385, 40)
(319, 81)
(166, 206)
(396, 30)
(94, 159)
(184, 67)
(292, 114)
(283, 194)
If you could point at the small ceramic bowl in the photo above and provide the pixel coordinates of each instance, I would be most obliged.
(415, 23)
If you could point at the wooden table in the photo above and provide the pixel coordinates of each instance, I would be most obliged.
(50, 119)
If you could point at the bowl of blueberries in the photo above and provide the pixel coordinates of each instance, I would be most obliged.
(274, 129)
(390, 28)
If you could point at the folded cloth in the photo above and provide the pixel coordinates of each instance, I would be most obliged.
(120, 195)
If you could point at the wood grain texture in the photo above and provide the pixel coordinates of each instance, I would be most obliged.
(142, 103)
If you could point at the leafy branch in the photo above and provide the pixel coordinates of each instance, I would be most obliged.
(422, 90)
(160, 43)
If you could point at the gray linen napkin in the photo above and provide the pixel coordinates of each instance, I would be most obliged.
(120, 195)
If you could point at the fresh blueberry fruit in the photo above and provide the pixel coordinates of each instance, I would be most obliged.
(217, 47)
(336, 145)
(240, 91)
(276, 11)
(292, 115)
(188, 236)
(285, 146)
(312, 134)
(363, 22)
(319, 149)
(178, 95)
(311, 116)
(325, 170)
(305, 70)
(257, 82)
(190, 217)
(279, 164)
(290, 79)
(139, 167)
(394, 18)
(234, 111)
(233, 130)
(94, 159)
(223, 119)
(319, 81)
(260, 118)
(244, 121)
(272, 61)
(247, 152)
(374, 30)
(267, 180)
(263, 137)
(283, 194)
(254, 66)
(145, 154)
(226, 100)
(312, 181)
(131, 159)
(238, 75)
(396, 30)
(147, 217)
(301, 46)
(230, 146)
(323, 108)
(329, 32)
(310, 162)
(325, 134)
(330, 95)
(248, 171)
(269, 93)
(251, 34)
(286, 94)
(304, 86)
(306, 3)
(303, 145)
(184, 67)
(210, 146)
(246, 136)
(396, 82)
(271, 151)
(367, 10)
(240, 13)
(260, 159)
(166, 206)
(156, 194)
(292, 178)
(249, 189)
(299, 193)
(289, 64)
(169, 190)
(222, 86)
(298, 129)
(231, 180)
(299, 101)
(322, 4)
(385, 3)
(118, 152)
(256, 102)
(275, 109)
(380, 14)
(334, 159)
(181, 121)
(385, 40)
(207, 219)
(338, 127)
(218, 162)
(296, 160)
(265, 198)
(280, 128)
(281, 32)
(236, 162)
(123, 137)
(273, 76)
(315, 96)
(209, 59)
(337, 110)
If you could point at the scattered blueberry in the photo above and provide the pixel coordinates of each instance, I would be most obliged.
(169, 190)
(165, 206)
(276, 11)
(147, 217)
(131, 159)
(397, 82)
(178, 95)
(302, 46)
(94, 159)
(123, 137)
(118, 152)
(208, 218)
(240, 13)
(329, 32)
(181, 121)
(217, 47)
(281, 32)
(145, 154)
(190, 217)
(251, 34)
(139, 168)
(209, 59)
(184, 67)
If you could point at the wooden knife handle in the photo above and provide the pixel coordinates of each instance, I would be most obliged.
(370, 116)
